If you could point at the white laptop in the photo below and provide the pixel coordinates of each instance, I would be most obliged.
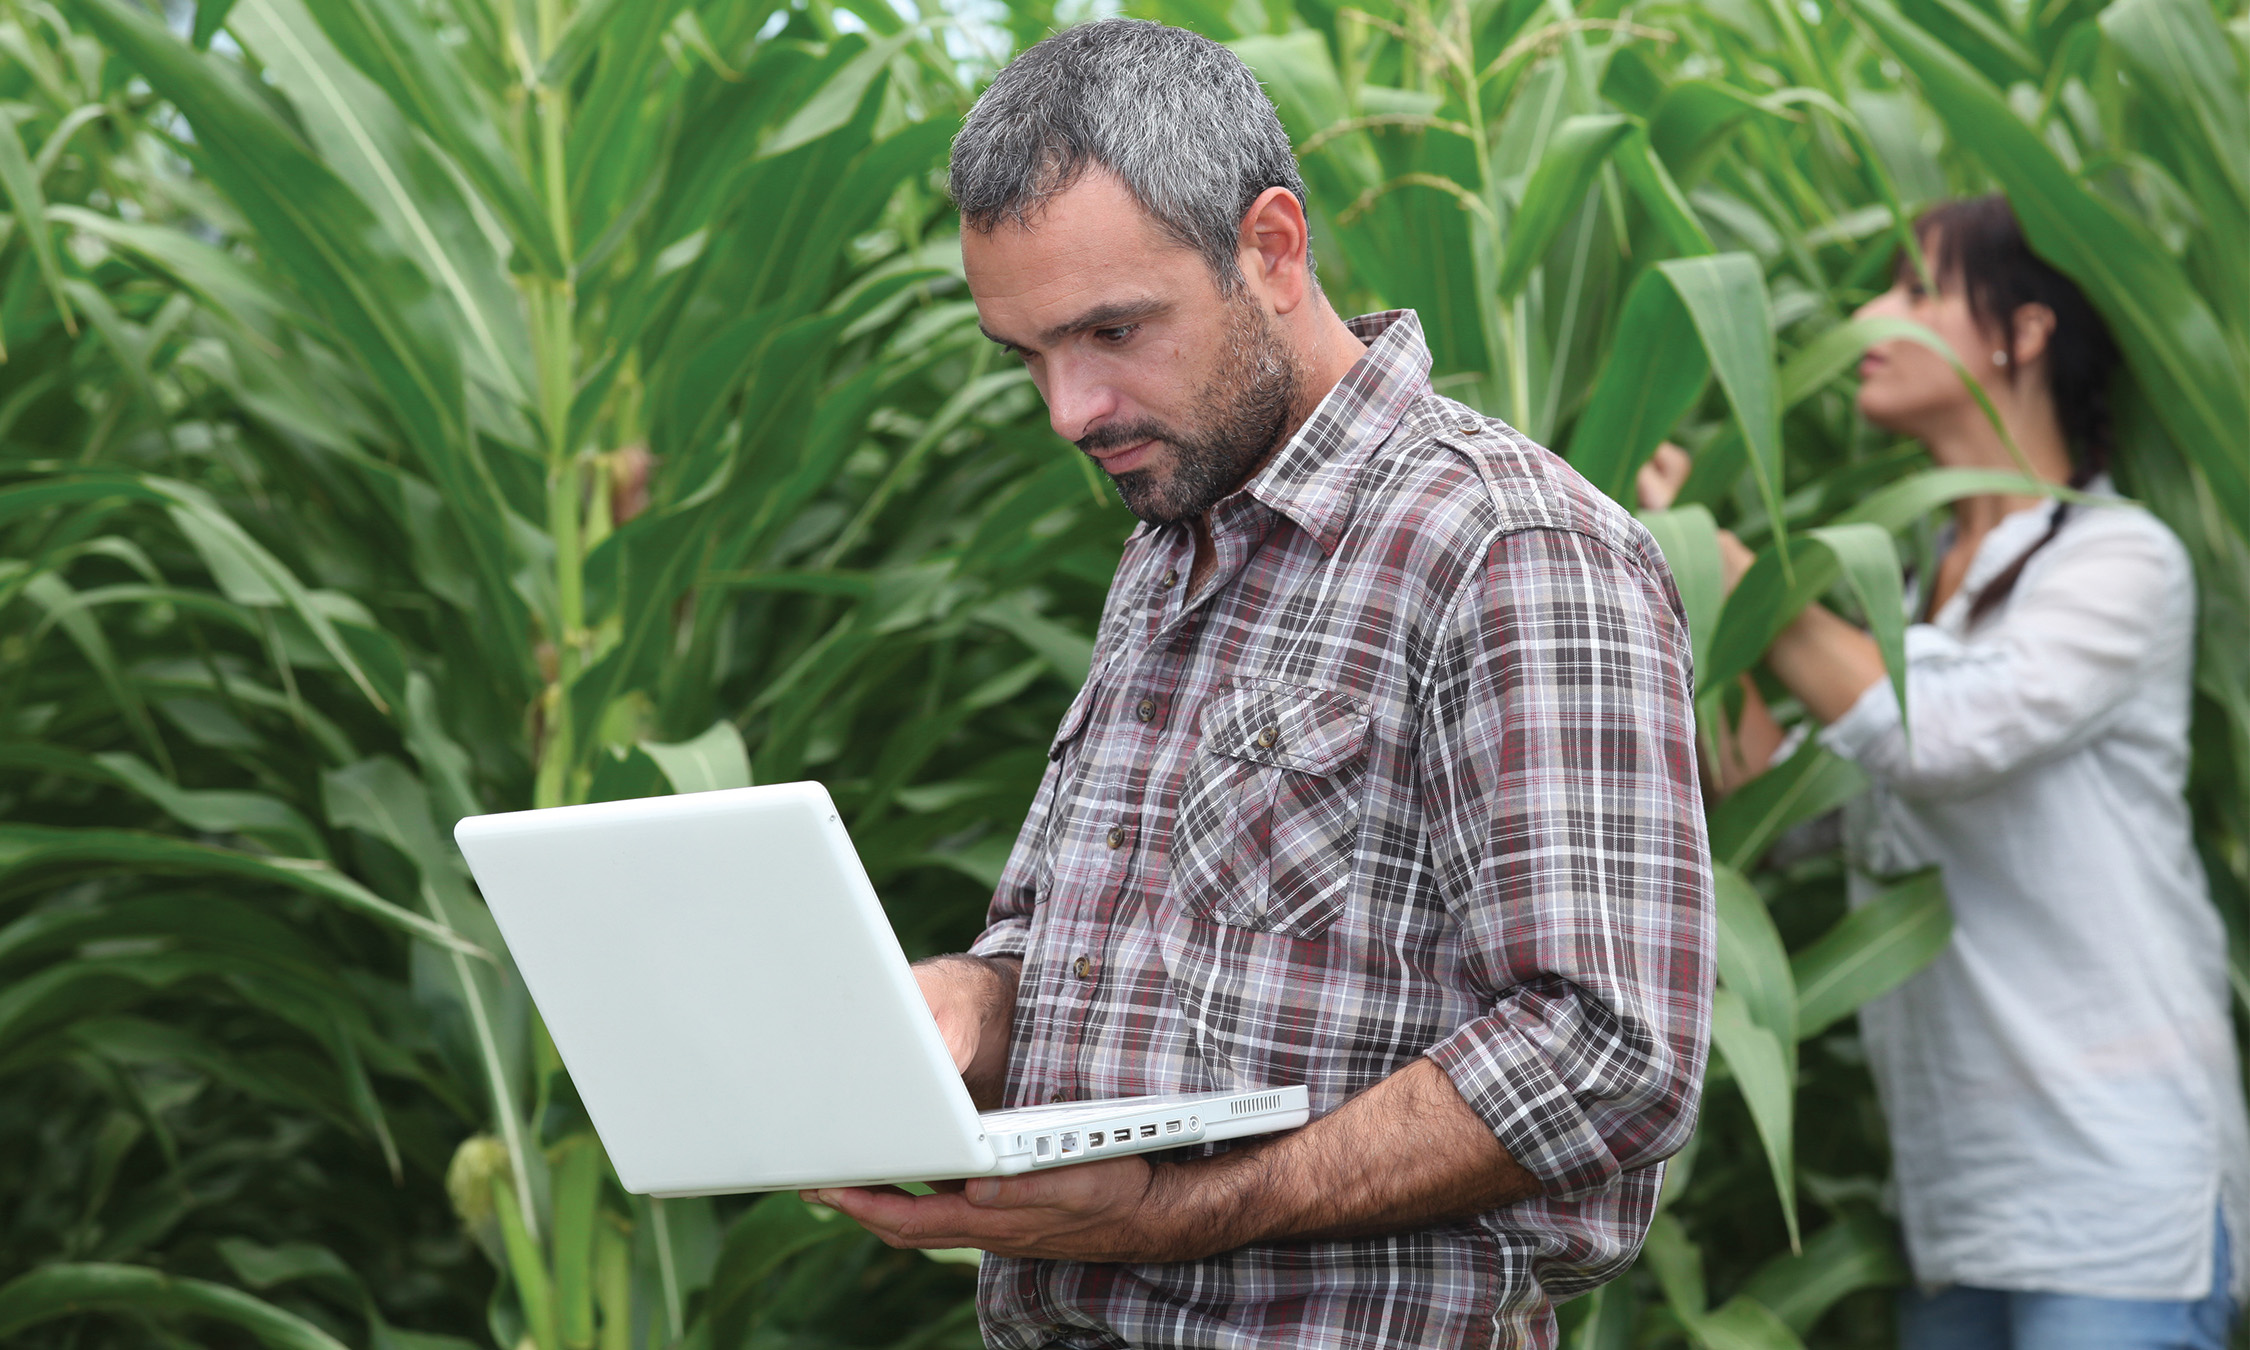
(738, 1016)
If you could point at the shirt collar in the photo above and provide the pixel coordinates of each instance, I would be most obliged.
(2008, 539)
(1312, 479)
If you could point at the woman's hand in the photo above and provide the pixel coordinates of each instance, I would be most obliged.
(1658, 485)
(1659, 482)
(1735, 558)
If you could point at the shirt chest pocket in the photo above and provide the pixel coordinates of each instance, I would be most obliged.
(1268, 823)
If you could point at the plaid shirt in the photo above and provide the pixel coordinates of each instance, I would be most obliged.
(1412, 774)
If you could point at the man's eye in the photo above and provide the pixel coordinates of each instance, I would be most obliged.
(1116, 336)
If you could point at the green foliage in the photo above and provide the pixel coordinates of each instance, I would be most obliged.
(456, 421)
(412, 408)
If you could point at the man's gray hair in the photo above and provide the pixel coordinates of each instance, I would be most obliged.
(1177, 117)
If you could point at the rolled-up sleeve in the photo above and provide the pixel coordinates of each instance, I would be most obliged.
(1558, 757)
(2081, 632)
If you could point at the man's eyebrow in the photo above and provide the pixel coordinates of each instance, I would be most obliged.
(1108, 314)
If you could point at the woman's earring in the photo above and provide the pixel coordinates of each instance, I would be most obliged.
(1999, 358)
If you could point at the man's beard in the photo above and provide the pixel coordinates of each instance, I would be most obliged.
(1250, 395)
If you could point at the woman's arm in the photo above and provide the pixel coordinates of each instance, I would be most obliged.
(1826, 662)
(2074, 643)
(1823, 660)
(1743, 749)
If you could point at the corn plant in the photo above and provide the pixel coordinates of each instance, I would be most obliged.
(411, 412)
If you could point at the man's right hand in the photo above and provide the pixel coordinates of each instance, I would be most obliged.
(973, 999)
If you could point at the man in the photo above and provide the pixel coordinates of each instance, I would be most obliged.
(1383, 781)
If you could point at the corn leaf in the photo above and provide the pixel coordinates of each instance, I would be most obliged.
(1653, 375)
(363, 136)
(1689, 538)
(1725, 296)
(1752, 960)
(1576, 154)
(714, 760)
(392, 45)
(1858, 1251)
(1811, 782)
(578, 1177)
(21, 183)
(1871, 951)
(1659, 194)
(255, 815)
(834, 103)
(23, 847)
(72, 1289)
(1762, 1069)
(1864, 555)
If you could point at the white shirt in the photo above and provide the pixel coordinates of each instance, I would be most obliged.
(2064, 1105)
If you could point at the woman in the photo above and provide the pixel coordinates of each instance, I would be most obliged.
(2065, 1111)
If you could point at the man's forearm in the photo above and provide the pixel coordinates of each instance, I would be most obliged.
(1405, 1154)
(1408, 1153)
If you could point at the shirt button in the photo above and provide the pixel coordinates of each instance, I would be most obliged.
(1145, 710)
(1083, 967)
(1171, 578)
(1116, 840)
(1268, 737)
(1472, 428)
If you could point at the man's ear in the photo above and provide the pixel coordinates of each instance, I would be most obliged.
(1274, 250)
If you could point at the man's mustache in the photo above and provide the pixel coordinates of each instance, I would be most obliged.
(1110, 437)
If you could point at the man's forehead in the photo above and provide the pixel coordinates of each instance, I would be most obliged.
(1074, 268)
(1086, 236)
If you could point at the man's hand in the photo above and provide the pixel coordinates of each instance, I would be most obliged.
(974, 1002)
(1099, 1211)
(1405, 1154)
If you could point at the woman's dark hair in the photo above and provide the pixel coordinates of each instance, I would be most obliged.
(1977, 244)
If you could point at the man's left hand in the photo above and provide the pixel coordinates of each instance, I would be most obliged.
(1098, 1211)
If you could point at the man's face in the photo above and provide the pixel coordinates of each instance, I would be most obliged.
(1176, 391)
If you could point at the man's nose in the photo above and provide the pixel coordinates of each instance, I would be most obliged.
(1076, 401)
(1889, 302)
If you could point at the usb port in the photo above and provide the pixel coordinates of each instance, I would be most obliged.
(1148, 1131)
(1171, 1127)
